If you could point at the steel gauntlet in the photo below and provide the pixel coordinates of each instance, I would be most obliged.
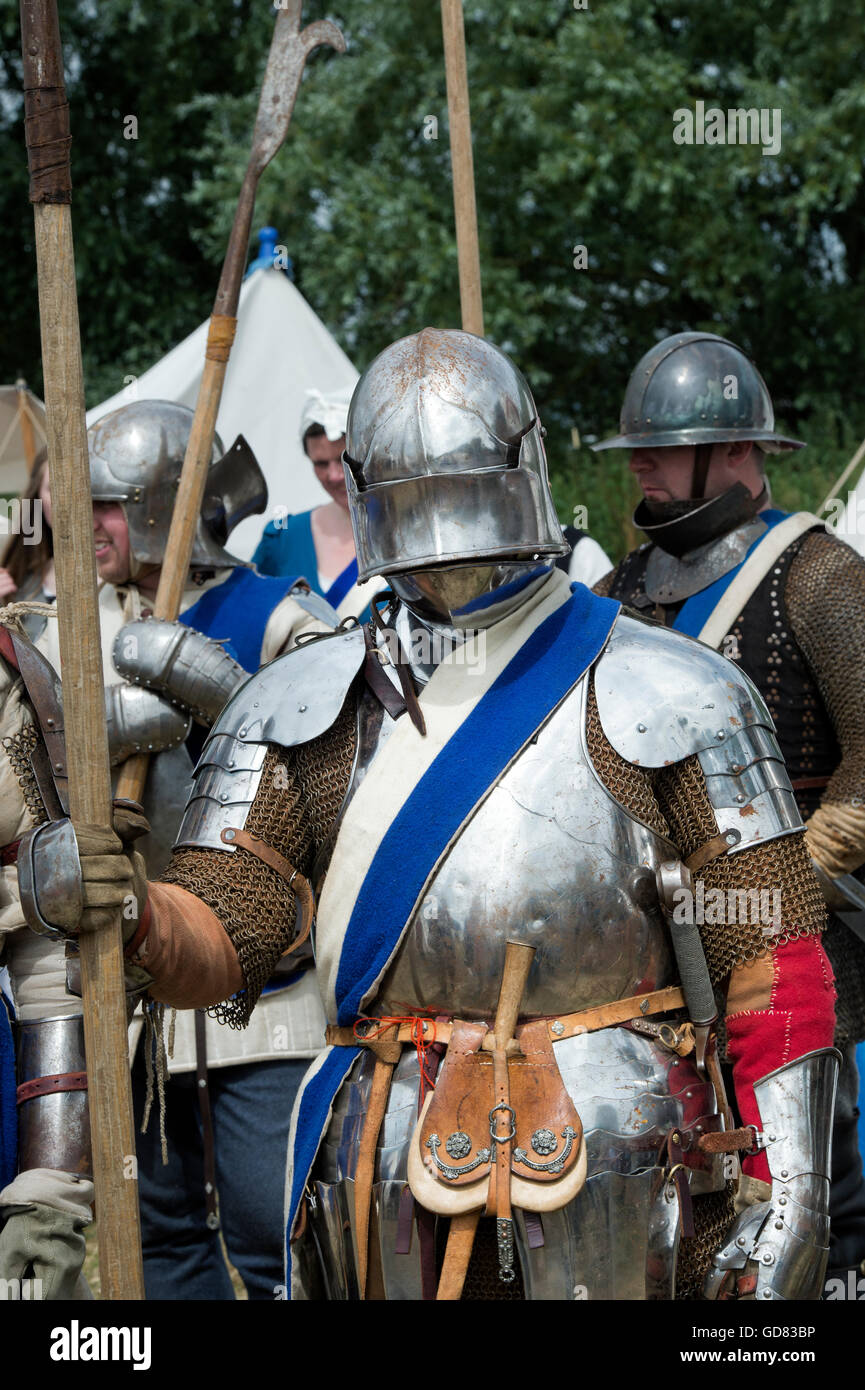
(778, 1249)
(191, 669)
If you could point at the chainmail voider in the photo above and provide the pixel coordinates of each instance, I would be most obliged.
(18, 749)
(714, 1213)
(674, 801)
(254, 902)
(630, 785)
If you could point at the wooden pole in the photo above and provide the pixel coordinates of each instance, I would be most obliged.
(462, 165)
(25, 424)
(855, 460)
(47, 124)
(289, 50)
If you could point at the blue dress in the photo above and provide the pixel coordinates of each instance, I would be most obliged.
(287, 547)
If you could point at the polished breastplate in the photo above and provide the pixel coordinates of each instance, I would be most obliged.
(549, 859)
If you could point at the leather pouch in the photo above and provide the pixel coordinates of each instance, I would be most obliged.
(451, 1156)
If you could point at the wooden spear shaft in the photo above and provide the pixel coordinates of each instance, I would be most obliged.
(110, 1095)
(289, 50)
(462, 165)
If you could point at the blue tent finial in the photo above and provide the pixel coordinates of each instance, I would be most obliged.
(270, 254)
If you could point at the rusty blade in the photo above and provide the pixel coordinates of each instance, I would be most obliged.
(288, 52)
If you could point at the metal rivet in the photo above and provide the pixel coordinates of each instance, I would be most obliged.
(231, 762)
(740, 798)
(767, 1257)
(641, 728)
(241, 733)
(224, 796)
(779, 1225)
(782, 1201)
(720, 735)
(202, 1083)
(771, 1138)
(784, 1173)
(301, 709)
(228, 835)
(557, 1027)
(50, 723)
(58, 767)
(741, 1240)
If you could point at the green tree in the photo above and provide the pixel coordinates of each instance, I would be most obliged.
(573, 118)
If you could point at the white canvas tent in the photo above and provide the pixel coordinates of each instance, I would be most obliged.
(22, 435)
(282, 350)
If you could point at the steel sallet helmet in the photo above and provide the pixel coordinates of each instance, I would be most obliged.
(696, 388)
(444, 459)
(136, 455)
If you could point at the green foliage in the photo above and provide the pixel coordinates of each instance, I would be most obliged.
(572, 114)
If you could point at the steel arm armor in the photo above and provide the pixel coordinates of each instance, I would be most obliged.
(192, 670)
(140, 721)
(783, 1244)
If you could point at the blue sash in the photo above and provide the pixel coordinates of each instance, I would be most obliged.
(696, 611)
(341, 585)
(236, 613)
(546, 667)
(8, 1100)
(535, 681)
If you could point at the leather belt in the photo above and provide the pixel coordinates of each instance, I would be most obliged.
(52, 1085)
(561, 1026)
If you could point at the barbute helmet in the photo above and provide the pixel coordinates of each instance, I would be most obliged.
(136, 456)
(444, 459)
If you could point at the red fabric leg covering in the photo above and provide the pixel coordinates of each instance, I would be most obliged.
(799, 1019)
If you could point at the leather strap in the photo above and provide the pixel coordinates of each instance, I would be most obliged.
(378, 682)
(9, 853)
(299, 885)
(752, 573)
(563, 1026)
(712, 849)
(458, 1252)
(52, 1085)
(363, 1175)
(802, 784)
(728, 1141)
(49, 759)
(403, 669)
(209, 1147)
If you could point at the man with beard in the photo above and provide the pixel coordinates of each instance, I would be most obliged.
(785, 600)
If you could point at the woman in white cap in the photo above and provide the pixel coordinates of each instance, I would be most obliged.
(319, 545)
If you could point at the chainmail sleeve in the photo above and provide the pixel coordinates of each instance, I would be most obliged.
(674, 801)
(825, 598)
(602, 586)
(298, 799)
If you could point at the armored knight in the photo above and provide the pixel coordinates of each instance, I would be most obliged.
(44, 1121)
(509, 797)
(232, 619)
(785, 600)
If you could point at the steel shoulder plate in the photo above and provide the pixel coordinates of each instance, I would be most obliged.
(291, 701)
